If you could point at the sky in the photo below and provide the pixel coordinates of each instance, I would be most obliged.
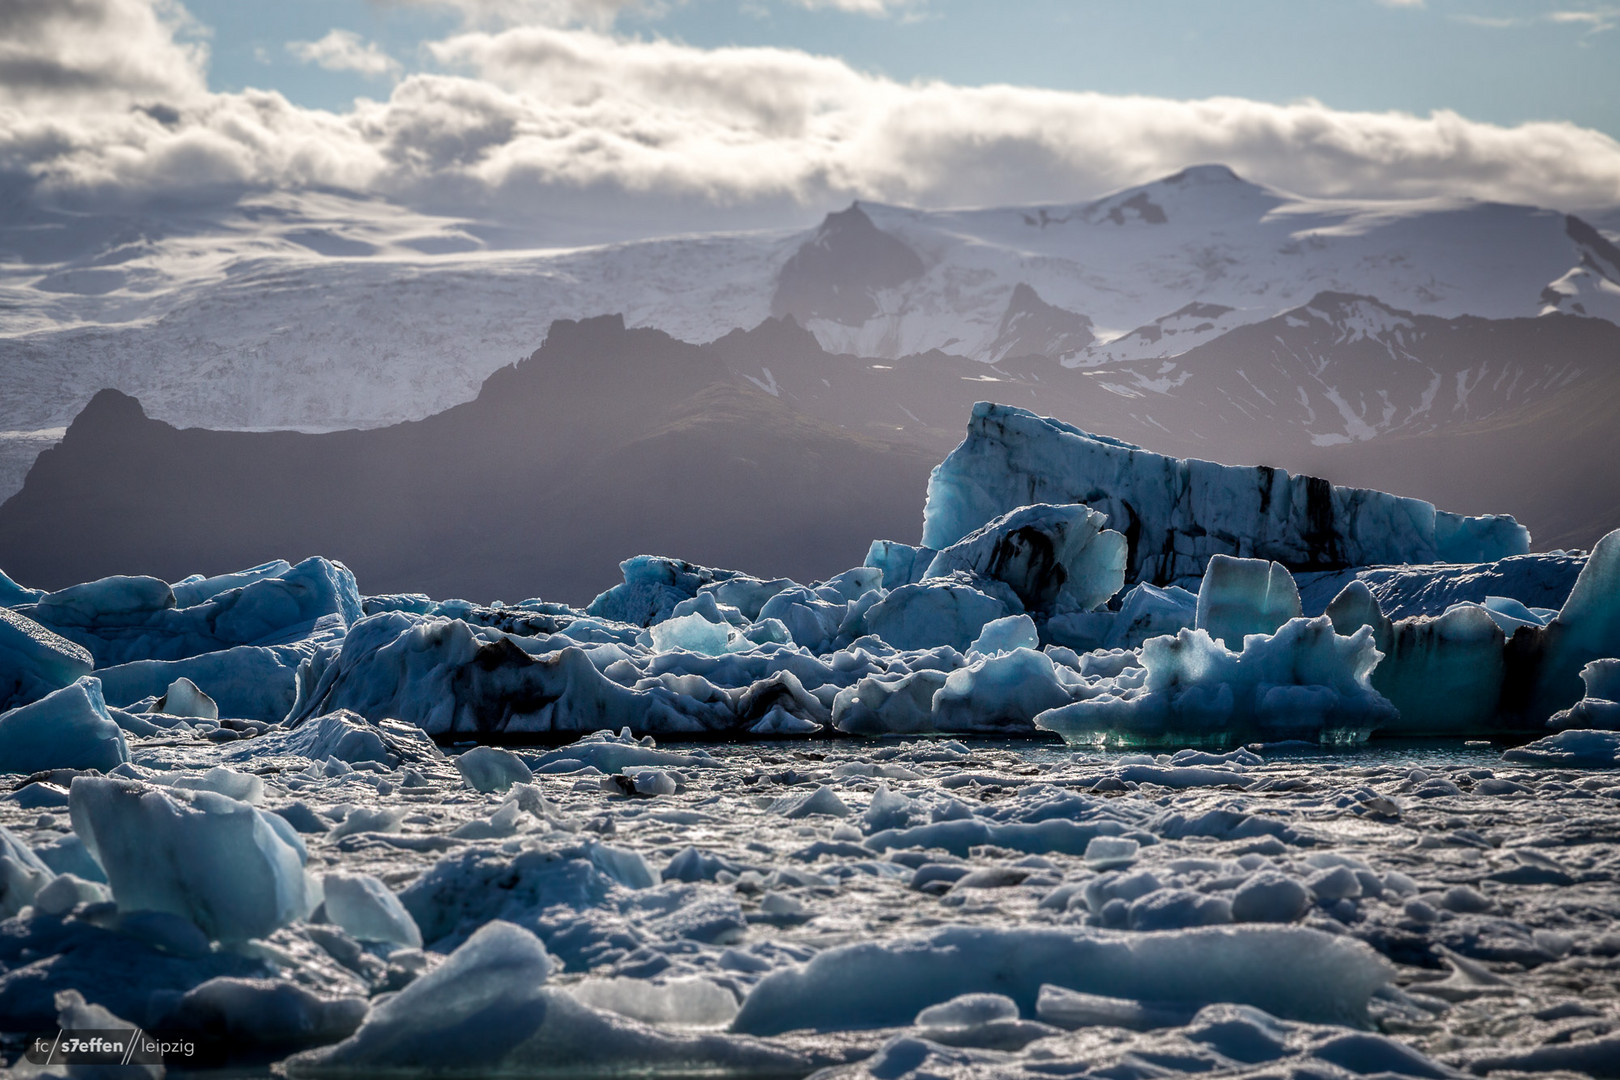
(662, 115)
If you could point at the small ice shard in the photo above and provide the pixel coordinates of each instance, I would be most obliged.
(1111, 852)
(68, 728)
(1239, 597)
(234, 871)
(369, 910)
(183, 698)
(822, 801)
(489, 768)
(1576, 749)
(34, 661)
(244, 787)
(350, 738)
(66, 892)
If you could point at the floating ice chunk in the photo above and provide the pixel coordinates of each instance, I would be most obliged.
(1580, 749)
(1586, 628)
(610, 753)
(244, 787)
(487, 1010)
(1001, 693)
(1055, 558)
(653, 585)
(234, 871)
(1193, 509)
(1304, 682)
(22, 874)
(1111, 852)
(746, 594)
(1600, 707)
(1510, 614)
(1444, 675)
(489, 768)
(900, 564)
(73, 1013)
(249, 682)
(447, 676)
(1270, 897)
(183, 698)
(1145, 611)
(68, 728)
(678, 1003)
(34, 661)
(781, 722)
(812, 621)
(1293, 972)
(937, 611)
(1005, 635)
(823, 800)
(888, 706)
(368, 910)
(123, 619)
(696, 633)
(642, 781)
(1239, 597)
(67, 891)
(348, 737)
(967, 1010)
(705, 604)
(260, 1016)
(196, 589)
(369, 819)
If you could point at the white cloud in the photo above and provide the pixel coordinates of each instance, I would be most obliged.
(862, 7)
(597, 14)
(106, 51)
(657, 135)
(344, 50)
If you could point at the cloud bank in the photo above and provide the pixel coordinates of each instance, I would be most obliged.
(106, 100)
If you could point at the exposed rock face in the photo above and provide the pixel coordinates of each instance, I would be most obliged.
(837, 271)
(1177, 513)
(1032, 327)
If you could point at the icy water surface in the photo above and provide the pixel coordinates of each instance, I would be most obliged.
(1417, 909)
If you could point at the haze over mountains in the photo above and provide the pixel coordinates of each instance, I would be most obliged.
(1463, 352)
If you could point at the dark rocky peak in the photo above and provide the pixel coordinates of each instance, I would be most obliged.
(1032, 327)
(108, 411)
(1597, 253)
(835, 274)
(777, 339)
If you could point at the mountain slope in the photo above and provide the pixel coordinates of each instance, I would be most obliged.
(606, 443)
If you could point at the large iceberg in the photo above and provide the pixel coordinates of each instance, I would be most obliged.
(1176, 513)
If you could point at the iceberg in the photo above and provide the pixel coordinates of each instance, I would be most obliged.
(1177, 513)
(488, 1010)
(234, 871)
(1303, 682)
(1239, 597)
(368, 910)
(34, 661)
(122, 619)
(1054, 558)
(67, 729)
(1292, 972)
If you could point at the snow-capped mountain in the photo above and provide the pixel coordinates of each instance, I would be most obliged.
(322, 311)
